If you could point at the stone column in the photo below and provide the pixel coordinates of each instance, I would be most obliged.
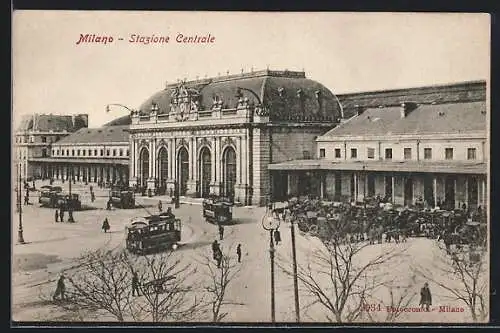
(435, 191)
(467, 191)
(171, 163)
(393, 189)
(483, 193)
(192, 185)
(321, 185)
(151, 180)
(240, 188)
(215, 168)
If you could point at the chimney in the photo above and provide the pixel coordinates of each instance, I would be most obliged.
(359, 109)
(406, 108)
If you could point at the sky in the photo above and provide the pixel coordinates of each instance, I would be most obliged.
(346, 52)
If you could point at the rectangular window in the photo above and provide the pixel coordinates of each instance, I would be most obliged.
(90, 152)
(44, 139)
(388, 153)
(370, 153)
(95, 152)
(471, 153)
(44, 152)
(427, 153)
(448, 153)
(84, 152)
(57, 152)
(407, 153)
(121, 152)
(114, 152)
(107, 152)
(78, 152)
(127, 152)
(62, 152)
(306, 154)
(53, 152)
(354, 153)
(102, 152)
(337, 153)
(322, 153)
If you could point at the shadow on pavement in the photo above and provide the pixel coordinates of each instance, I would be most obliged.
(243, 220)
(193, 245)
(86, 207)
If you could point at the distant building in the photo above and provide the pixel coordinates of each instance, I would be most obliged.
(90, 155)
(218, 135)
(426, 143)
(34, 137)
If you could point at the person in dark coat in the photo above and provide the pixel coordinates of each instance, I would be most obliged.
(238, 252)
(61, 215)
(135, 284)
(277, 237)
(215, 248)
(92, 196)
(160, 206)
(60, 288)
(108, 205)
(425, 297)
(26, 199)
(169, 212)
(105, 225)
(221, 231)
(56, 216)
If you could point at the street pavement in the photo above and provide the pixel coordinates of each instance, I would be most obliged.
(51, 247)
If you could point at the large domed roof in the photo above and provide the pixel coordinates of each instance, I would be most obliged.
(288, 95)
(124, 120)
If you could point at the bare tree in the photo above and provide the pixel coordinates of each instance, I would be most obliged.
(341, 276)
(100, 283)
(462, 272)
(219, 279)
(166, 287)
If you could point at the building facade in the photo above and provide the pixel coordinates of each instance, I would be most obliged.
(219, 135)
(34, 137)
(426, 143)
(90, 155)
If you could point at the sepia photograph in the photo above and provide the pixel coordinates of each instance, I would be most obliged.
(202, 167)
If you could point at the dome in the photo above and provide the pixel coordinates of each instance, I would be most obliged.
(289, 96)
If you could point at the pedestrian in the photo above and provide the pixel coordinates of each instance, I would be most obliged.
(91, 188)
(277, 237)
(238, 252)
(169, 212)
(70, 215)
(92, 196)
(221, 231)
(218, 257)
(425, 297)
(60, 288)
(108, 205)
(61, 215)
(135, 284)
(160, 207)
(105, 225)
(56, 216)
(26, 199)
(215, 248)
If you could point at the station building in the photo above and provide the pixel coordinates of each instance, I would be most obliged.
(428, 143)
(219, 135)
(34, 137)
(90, 155)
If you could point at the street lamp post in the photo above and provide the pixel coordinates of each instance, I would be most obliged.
(271, 224)
(295, 282)
(20, 237)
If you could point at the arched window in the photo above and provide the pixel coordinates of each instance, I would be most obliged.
(144, 166)
(183, 170)
(229, 171)
(205, 171)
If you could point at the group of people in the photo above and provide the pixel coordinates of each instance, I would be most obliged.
(59, 215)
(218, 256)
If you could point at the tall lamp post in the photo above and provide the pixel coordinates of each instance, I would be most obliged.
(70, 199)
(270, 223)
(20, 237)
(291, 219)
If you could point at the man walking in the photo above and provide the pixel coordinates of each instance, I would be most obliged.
(56, 216)
(61, 215)
(160, 206)
(221, 231)
(60, 288)
(238, 252)
(425, 297)
(105, 225)
(135, 284)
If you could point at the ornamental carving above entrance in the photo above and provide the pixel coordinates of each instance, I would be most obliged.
(184, 101)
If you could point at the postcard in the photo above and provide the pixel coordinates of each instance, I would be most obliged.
(250, 167)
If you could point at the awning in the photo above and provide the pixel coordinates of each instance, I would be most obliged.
(80, 160)
(383, 166)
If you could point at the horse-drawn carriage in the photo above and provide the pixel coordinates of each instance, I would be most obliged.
(49, 196)
(153, 233)
(69, 202)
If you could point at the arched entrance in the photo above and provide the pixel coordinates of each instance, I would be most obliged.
(182, 170)
(143, 166)
(229, 171)
(205, 167)
(162, 169)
